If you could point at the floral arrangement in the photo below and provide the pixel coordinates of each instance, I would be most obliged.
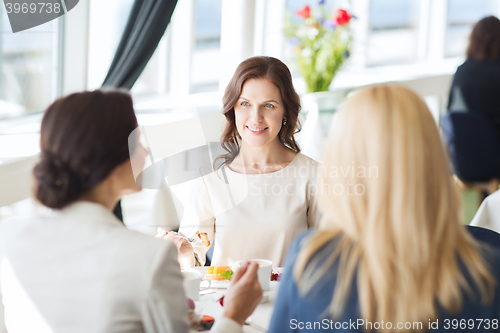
(321, 42)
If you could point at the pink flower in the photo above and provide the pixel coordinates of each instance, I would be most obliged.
(342, 17)
(304, 12)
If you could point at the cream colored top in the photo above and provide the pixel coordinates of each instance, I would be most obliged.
(254, 216)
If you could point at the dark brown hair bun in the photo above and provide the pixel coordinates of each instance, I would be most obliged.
(57, 183)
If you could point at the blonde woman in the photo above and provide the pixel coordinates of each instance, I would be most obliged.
(390, 254)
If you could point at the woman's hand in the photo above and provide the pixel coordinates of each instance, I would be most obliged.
(244, 293)
(185, 253)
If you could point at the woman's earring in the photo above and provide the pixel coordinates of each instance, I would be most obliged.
(284, 121)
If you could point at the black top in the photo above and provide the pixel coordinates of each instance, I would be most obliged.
(479, 85)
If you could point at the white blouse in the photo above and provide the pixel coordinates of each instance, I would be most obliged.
(488, 214)
(250, 216)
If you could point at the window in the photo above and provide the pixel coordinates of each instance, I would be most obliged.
(462, 14)
(196, 22)
(29, 67)
(205, 60)
(208, 15)
(187, 59)
(107, 23)
(393, 32)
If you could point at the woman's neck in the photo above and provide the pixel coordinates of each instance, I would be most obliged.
(102, 194)
(269, 158)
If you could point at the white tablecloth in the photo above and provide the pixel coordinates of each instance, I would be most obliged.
(488, 214)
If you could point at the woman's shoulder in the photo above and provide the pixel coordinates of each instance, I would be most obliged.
(111, 239)
(488, 240)
(473, 66)
(303, 165)
(306, 160)
(14, 226)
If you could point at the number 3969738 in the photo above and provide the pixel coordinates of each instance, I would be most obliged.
(40, 7)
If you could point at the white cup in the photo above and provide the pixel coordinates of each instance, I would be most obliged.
(263, 273)
(192, 282)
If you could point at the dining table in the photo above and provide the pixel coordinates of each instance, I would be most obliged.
(259, 320)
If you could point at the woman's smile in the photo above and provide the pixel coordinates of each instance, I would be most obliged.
(256, 130)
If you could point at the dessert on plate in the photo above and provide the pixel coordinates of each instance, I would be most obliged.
(219, 273)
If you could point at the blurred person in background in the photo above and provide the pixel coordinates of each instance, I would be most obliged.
(476, 84)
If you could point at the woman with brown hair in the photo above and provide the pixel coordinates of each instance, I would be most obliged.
(477, 81)
(394, 256)
(262, 194)
(80, 269)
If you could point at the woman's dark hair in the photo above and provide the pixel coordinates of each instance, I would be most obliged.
(83, 137)
(275, 71)
(484, 41)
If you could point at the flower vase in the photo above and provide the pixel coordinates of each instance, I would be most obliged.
(318, 109)
(325, 102)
